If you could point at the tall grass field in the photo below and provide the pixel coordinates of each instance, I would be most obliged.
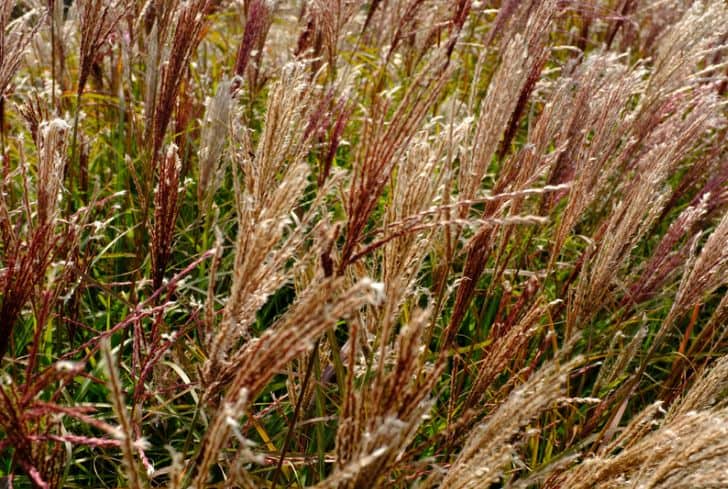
(361, 244)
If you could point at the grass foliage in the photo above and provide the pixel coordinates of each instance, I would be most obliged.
(363, 244)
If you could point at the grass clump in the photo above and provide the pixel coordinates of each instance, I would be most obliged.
(350, 244)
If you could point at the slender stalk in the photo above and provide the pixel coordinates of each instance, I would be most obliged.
(72, 166)
(52, 7)
(292, 422)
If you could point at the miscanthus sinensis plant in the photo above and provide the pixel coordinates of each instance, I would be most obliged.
(363, 244)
